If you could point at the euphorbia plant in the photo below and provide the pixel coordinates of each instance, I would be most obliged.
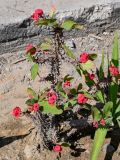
(46, 107)
(108, 114)
(50, 108)
(103, 87)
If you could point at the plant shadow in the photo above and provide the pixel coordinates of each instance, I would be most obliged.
(115, 141)
(7, 140)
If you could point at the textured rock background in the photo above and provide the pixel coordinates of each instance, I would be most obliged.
(101, 17)
(16, 28)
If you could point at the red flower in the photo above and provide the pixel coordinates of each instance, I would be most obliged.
(36, 107)
(35, 17)
(16, 112)
(95, 124)
(52, 100)
(91, 76)
(67, 84)
(102, 122)
(82, 99)
(52, 97)
(30, 48)
(57, 148)
(37, 14)
(114, 70)
(84, 57)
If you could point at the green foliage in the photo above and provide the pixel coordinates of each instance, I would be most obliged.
(68, 78)
(48, 22)
(107, 109)
(45, 107)
(29, 57)
(101, 70)
(113, 91)
(30, 102)
(31, 92)
(92, 57)
(34, 71)
(100, 96)
(68, 52)
(69, 24)
(99, 138)
(115, 52)
(88, 65)
(96, 113)
(70, 103)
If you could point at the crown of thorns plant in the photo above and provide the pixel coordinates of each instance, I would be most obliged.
(50, 108)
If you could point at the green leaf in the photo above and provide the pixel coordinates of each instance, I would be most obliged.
(113, 91)
(30, 57)
(107, 109)
(45, 46)
(118, 121)
(32, 93)
(117, 108)
(78, 69)
(58, 86)
(30, 102)
(42, 22)
(68, 77)
(45, 107)
(79, 87)
(92, 56)
(101, 70)
(34, 71)
(100, 96)
(96, 113)
(99, 138)
(52, 23)
(88, 95)
(70, 103)
(88, 65)
(68, 52)
(68, 24)
(59, 89)
(65, 144)
(73, 91)
(115, 51)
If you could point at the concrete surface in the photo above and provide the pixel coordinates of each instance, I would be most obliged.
(16, 28)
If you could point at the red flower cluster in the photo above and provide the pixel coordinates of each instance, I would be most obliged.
(16, 112)
(95, 124)
(113, 70)
(91, 76)
(57, 148)
(84, 57)
(30, 49)
(66, 84)
(37, 14)
(52, 97)
(102, 122)
(81, 99)
(34, 108)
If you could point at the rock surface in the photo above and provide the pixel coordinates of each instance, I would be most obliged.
(17, 29)
(17, 136)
